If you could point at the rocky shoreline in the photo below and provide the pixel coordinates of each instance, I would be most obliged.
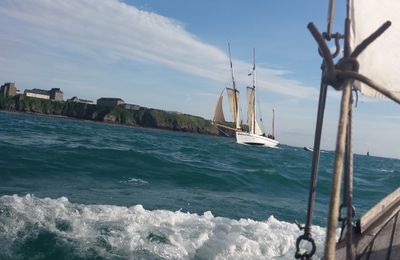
(141, 117)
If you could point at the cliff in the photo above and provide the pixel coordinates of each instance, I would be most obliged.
(143, 117)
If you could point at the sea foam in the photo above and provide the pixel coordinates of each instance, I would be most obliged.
(85, 231)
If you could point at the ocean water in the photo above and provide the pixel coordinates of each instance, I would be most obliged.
(73, 189)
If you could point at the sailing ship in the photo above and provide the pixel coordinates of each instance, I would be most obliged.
(254, 135)
(376, 235)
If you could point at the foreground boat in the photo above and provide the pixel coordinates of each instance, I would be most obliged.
(376, 235)
(254, 135)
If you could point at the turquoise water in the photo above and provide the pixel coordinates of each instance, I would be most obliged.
(82, 190)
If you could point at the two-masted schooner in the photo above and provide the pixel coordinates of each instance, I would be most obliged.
(254, 135)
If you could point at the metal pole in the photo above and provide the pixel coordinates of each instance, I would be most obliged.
(316, 153)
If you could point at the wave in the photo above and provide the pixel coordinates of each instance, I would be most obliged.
(134, 182)
(45, 228)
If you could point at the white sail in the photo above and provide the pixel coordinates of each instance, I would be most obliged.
(251, 117)
(251, 111)
(254, 127)
(257, 128)
(381, 60)
(218, 115)
(233, 97)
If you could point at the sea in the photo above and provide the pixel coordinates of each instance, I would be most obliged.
(73, 189)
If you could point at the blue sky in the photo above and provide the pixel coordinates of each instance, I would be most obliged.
(172, 55)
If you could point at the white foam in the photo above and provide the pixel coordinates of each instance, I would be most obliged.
(128, 232)
(385, 170)
(134, 182)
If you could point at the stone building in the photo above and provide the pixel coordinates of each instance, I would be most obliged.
(110, 102)
(53, 94)
(130, 106)
(56, 94)
(37, 93)
(8, 89)
(79, 100)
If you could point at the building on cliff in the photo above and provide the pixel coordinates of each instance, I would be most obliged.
(130, 106)
(8, 89)
(56, 94)
(110, 102)
(52, 94)
(37, 93)
(79, 100)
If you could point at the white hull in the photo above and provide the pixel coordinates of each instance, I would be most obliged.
(253, 139)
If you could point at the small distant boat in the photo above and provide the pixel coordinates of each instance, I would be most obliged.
(308, 149)
(254, 136)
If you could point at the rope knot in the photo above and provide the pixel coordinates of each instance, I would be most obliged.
(344, 65)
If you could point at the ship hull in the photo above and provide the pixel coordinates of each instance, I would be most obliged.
(253, 139)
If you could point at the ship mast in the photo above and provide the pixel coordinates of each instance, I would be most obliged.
(273, 122)
(236, 105)
(230, 62)
(254, 91)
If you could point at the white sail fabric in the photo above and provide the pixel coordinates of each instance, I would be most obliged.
(233, 97)
(251, 116)
(218, 115)
(381, 60)
(254, 127)
(257, 129)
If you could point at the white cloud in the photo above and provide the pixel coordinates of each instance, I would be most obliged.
(109, 30)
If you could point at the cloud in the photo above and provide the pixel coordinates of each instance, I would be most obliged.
(109, 31)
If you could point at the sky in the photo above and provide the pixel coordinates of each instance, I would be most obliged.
(173, 55)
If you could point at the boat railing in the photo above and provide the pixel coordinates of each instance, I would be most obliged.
(388, 205)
